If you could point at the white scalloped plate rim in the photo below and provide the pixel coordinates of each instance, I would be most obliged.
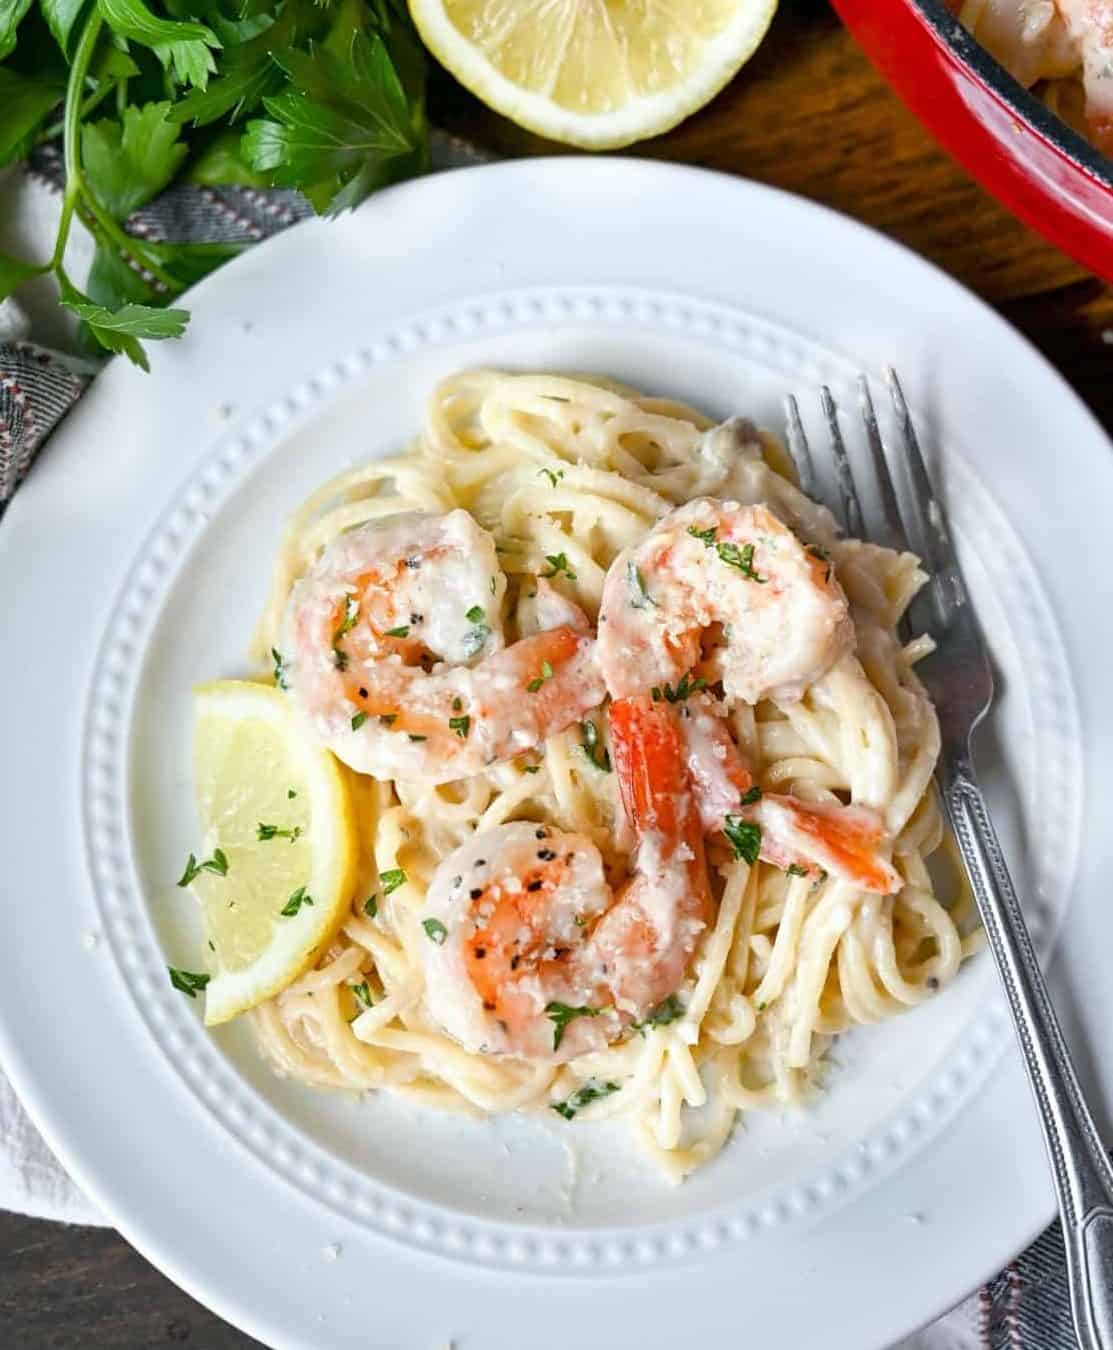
(181, 1039)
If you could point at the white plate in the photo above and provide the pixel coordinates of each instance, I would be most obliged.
(133, 563)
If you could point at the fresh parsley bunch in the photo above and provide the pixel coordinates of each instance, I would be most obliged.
(326, 96)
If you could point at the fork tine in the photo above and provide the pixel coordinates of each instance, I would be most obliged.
(895, 536)
(844, 479)
(799, 448)
(922, 512)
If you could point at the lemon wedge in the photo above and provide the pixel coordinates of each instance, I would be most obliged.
(276, 812)
(593, 73)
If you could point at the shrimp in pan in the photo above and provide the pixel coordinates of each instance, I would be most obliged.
(723, 594)
(534, 954)
(393, 653)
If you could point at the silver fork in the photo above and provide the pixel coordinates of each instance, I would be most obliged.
(959, 678)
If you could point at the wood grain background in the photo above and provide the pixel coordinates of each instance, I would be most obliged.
(808, 114)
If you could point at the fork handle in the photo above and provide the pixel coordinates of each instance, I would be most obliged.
(1083, 1176)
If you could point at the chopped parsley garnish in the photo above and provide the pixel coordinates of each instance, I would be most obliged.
(671, 1010)
(593, 747)
(358, 720)
(473, 642)
(761, 1007)
(435, 931)
(558, 562)
(460, 726)
(553, 478)
(795, 870)
(279, 669)
(753, 795)
(402, 631)
(416, 738)
(706, 536)
(348, 622)
(731, 554)
(546, 674)
(187, 981)
(217, 864)
(339, 659)
(388, 719)
(291, 793)
(531, 768)
(392, 878)
(745, 838)
(297, 898)
(640, 597)
(742, 558)
(560, 1014)
(590, 1092)
(362, 992)
(685, 686)
(371, 905)
(266, 832)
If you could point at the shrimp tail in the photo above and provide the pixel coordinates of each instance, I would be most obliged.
(843, 840)
(649, 758)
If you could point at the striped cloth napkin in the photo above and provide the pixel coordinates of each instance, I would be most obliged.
(1024, 1308)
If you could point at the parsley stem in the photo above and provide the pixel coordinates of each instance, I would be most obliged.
(76, 188)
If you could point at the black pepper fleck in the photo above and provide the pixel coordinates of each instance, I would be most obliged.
(546, 854)
(490, 1007)
(534, 886)
(363, 693)
(480, 953)
(475, 892)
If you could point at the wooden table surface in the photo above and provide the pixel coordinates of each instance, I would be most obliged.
(808, 114)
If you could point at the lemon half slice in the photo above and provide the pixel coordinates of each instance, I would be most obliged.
(280, 811)
(594, 73)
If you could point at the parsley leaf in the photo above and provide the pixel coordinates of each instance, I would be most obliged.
(750, 796)
(460, 726)
(358, 720)
(560, 1014)
(670, 1010)
(218, 864)
(350, 619)
(297, 898)
(362, 992)
(705, 536)
(590, 1092)
(745, 838)
(267, 832)
(742, 558)
(593, 747)
(371, 906)
(538, 680)
(183, 48)
(435, 931)
(558, 562)
(187, 981)
(477, 617)
(685, 686)
(392, 878)
(128, 161)
(279, 669)
(339, 123)
(554, 478)
(640, 596)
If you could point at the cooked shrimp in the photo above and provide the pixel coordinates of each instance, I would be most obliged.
(393, 652)
(1090, 23)
(727, 593)
(531, 951)
(809, 836)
